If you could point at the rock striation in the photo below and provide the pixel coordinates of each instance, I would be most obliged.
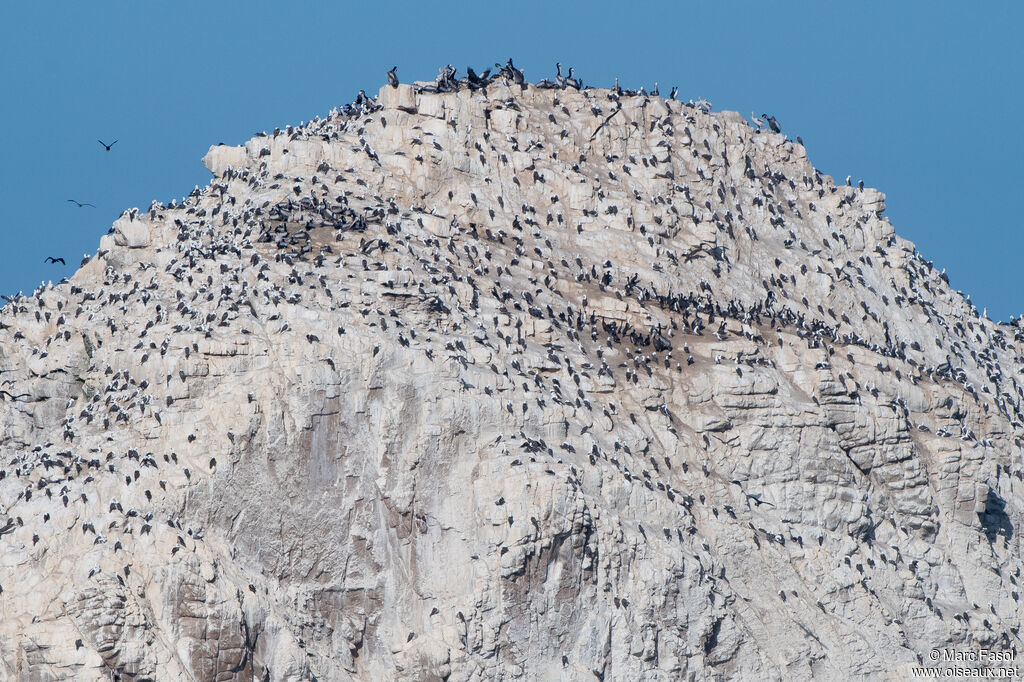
(510, 384)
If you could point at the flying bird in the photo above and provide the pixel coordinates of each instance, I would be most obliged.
(51, 259)
(107, 146)
(80, 204)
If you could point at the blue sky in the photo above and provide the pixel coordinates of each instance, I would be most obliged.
(921, 100)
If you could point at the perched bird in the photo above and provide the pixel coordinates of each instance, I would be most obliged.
(392, 78)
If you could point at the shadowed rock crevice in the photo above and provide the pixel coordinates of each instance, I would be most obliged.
(995, 520)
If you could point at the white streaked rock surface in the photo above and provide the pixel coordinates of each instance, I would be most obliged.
(505, 386)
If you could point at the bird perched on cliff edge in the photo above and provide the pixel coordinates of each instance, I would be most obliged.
(392, 78)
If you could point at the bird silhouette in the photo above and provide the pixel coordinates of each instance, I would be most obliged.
(80, 204)
(107, 146)
(51, 259)
(772, 123)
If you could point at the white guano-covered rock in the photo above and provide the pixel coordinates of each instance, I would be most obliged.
(508, 385)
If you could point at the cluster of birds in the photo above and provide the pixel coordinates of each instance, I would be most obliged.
(448, 81)
(80, 204)
(306, 238)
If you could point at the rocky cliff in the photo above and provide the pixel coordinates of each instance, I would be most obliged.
(517, 384)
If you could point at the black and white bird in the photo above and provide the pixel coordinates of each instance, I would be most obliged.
(392, 78)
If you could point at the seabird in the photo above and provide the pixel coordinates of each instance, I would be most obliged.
(51, 259)
(392, 78)
(517, 74)
(80, 204)
(772, 123)
(559, 78)
(476, 81)
(107, 146)
(573, 82)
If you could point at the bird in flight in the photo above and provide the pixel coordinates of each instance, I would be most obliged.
(107, 146)
(51, 259)
(80, 204)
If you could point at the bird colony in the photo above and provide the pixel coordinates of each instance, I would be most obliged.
(507, 383)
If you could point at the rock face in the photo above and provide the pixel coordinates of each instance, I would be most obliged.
(532, 384)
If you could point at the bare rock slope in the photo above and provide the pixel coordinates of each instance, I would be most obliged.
(524, 384)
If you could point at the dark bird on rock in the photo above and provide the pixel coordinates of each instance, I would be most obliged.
(516, 74)
(392, 78)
